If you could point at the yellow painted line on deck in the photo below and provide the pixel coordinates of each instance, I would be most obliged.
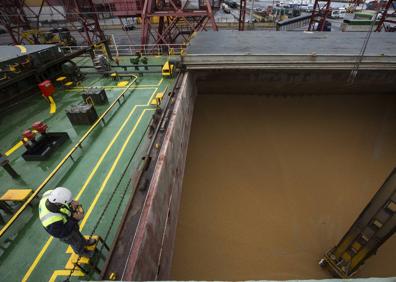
(65, 273)
(104, 183)
(14, 148)
(41, 253)
(122, 83)
(52, 105)
(22, 48)
(158, 84)
(45, 247)
(109, 87)
(17, 145)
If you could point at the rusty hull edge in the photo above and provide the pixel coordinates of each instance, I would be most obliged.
(152, 251)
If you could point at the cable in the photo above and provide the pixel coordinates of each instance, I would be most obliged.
(359, 58)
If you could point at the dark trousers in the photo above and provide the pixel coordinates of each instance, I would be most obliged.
(76, 241)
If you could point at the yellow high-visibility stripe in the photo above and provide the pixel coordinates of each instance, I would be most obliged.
(46, 216)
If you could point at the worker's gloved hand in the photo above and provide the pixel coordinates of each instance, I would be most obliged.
(74, 204)
(78, 215)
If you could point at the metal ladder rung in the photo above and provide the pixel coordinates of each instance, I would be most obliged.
(378, 224)
(391, 206)
(365, 238)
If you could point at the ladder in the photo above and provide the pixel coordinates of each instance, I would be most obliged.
(372, 228)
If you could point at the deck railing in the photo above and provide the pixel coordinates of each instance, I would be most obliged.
(293, 23)
(145, 50)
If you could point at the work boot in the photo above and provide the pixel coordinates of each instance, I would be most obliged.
(90, 242)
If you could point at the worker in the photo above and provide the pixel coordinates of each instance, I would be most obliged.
(117, 60)
(60, 214)
(144, 60)
(135, 60)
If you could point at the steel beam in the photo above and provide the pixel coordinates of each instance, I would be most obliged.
(242, 15)
(385, 17)
(84, 12)
(175, 22)
(319, 15)
(15, 20)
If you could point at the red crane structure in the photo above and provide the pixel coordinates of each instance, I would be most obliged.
(82, 15)
(386, 17)
(162, 21)
(319, 16)
(175, 19)
(17, 17)
(242, 15)
(165, 22)
(15, 20)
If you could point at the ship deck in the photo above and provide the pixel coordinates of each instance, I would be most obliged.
(98, 173)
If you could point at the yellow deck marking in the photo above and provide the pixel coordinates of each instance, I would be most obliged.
(45, 247)
(61, 78)
(22, 48)
(122, 83)
(109, 174)
(41, 253)
(52, 105)
(104, 183)
(38, 258)
(17, 146)
(65, 273)
(111, 87)
(14, 148)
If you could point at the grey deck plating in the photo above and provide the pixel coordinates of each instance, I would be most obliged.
(277, 50)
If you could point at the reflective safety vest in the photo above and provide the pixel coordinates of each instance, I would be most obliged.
(47, 217)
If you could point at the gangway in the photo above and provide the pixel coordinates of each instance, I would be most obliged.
(371, 229)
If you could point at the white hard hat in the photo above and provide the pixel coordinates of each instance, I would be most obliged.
(60, 195)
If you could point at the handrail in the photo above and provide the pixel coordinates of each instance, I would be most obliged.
(146, 50)
(63, 161)
(295, 22)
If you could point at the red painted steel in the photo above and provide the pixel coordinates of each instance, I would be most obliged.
(386, 18)
(163, 21)
(127, 8)
(175, 22)
(40, 126)
(319, 15)
(242, 15)
(82, 15)
(15, 20)
(46, 88)
(168, 22)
